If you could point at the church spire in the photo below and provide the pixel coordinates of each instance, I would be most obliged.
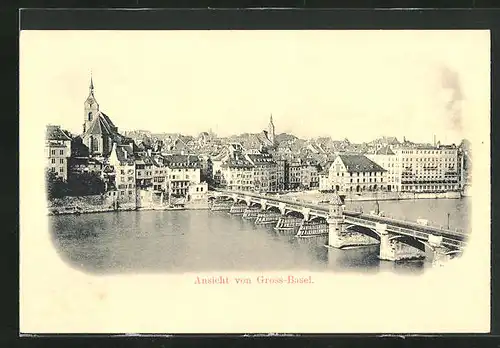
(270, 130)
(91, 87)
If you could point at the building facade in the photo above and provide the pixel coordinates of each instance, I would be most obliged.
(421, 168)
(356, 173)
(122, 162)
(57, 151)
(265, 171)
(390, 161)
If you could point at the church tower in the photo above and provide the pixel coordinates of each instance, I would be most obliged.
(270, 130)
(91, 108)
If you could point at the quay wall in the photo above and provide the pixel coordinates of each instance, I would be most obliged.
(394, 196)
(107, 203)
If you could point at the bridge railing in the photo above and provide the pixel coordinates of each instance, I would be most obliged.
(278, 199)
(429, 224)
(302, 203)
(389, 220)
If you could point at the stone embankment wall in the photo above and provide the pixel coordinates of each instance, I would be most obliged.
(317, 196)
(391, 196)
(86, 204)
(143, 200)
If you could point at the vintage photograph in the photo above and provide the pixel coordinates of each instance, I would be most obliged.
(205, 152)
(334, 180)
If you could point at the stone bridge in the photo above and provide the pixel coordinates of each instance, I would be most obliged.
(341, 228)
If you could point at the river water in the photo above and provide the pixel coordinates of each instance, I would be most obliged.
(202, 240)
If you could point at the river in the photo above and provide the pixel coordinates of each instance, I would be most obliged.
(202, 240)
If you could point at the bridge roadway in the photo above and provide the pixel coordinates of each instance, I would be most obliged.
(452, 239)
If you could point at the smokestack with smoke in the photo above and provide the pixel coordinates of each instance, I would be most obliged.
(450, 81)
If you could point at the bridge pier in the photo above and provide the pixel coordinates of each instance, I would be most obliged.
(248, 200)
(263, 204)
(312, 229)
(439, 252)
(393, 250)
(399, 240)
(251, 213)
(338, 236)
(219, 205)
(282, 207)
(387, 244)
(237, 209)
(267, 217)
(288, 224)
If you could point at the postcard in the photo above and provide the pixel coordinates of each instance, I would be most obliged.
(232, 181)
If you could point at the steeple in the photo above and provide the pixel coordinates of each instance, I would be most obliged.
(91, 87)
(91, 107)
(270, 129)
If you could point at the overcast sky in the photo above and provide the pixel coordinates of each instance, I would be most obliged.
(354, 84)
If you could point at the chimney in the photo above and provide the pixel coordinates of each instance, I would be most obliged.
(434, 140)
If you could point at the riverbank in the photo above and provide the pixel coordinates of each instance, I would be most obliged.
(103, 204)
(318, 196)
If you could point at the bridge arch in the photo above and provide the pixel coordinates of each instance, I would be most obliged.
(316, 218)
(273, 209)
(456, 252)
(255, 205)
(413, 242)
(219, 197)
(294, 214)
(370, 232)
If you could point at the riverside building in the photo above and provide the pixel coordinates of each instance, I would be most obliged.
(420, 168)
(57, 151)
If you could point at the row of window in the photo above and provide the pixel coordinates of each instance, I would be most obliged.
(53, 152)
(426, 159)
(360, 173)
(429, 152)
(53, 161)
(428, 187)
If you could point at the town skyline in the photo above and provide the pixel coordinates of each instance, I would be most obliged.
(339, 84)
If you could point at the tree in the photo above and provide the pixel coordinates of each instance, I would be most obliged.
(85, 184)
(55, 186)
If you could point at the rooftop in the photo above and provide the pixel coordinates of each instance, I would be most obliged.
(386, 150)
(56, 133)
(360, 163)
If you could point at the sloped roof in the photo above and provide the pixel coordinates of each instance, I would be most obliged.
(386, 150)
(108, 120)
(189, 161)
(261, 159)
(56, 133)
(335, 199)
(360, 163)
(100, 125)
(124, 153)
(325, 167)
(241, 162)
(143, 158)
